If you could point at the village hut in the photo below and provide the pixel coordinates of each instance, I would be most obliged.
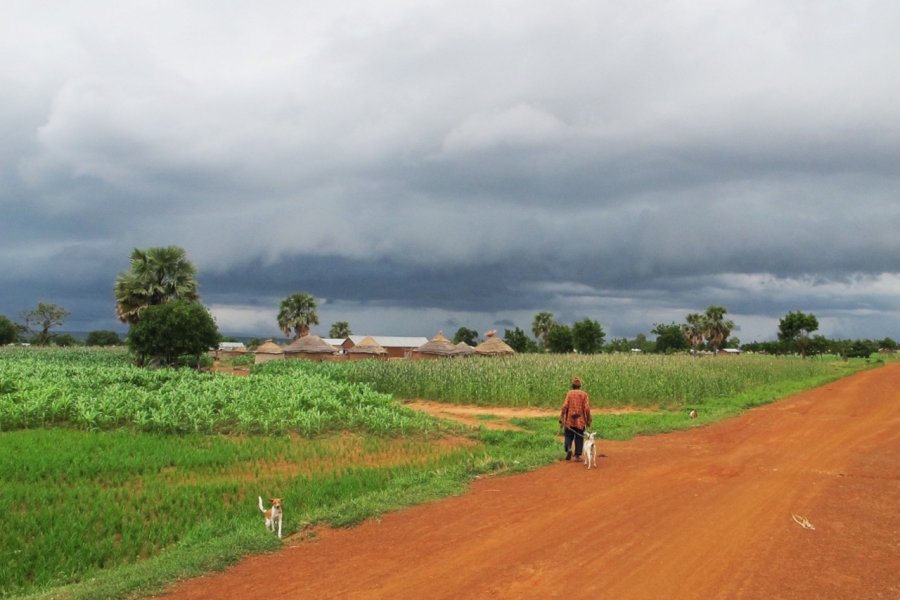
(267, 351)
(436, 347)
(367, 348)
(463, 349)
(493, 346)
(310, 347)
(397, 347)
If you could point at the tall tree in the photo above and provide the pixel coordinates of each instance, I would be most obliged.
(156, 276)
(587, 336)
(559, 339)
(795, 327)
(718, 328)
(669, 338)
(464, 334)
(541, 325)
(519, 341)
(42, 319)
(339, 329)
(298, 313)
(694, 330)
(171, 330)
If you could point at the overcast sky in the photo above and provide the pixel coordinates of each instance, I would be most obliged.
(422, 165)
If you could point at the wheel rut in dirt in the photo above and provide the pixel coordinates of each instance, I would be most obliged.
(703, 513)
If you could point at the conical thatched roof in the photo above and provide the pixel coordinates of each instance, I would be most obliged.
(310, 344)
(269, 347)
(437, 345)
(463, 349)
(493, 346)
(367, 346)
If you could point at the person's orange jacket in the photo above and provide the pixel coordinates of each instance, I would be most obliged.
(576, 410)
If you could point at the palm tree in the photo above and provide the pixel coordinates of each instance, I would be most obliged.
(339, 329)
(541, 325)
(297, 313)
(718, 328)
(156, 276)
(694, 330)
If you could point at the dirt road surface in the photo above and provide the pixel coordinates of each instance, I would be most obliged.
(705, 513)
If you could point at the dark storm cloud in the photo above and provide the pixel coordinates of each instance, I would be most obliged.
(418, 166)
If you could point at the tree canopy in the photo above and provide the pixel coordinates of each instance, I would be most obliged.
(102, 338)
(339, 329)
(795, 327)
(297, 314)
(519, 341)
(168, 331)
(541, 325)
(42, 319)
(156, 276)
(9, 332)
(559, 339)
(464, 334)
(587, 336)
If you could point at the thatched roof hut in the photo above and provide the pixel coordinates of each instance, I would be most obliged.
(493, 346)
(310, 347)
(267, 351)
(436, 347)
(463, 349)
(367, 348)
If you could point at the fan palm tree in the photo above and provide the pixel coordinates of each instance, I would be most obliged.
(694, 330)
(156, 276)
(718, 328)
(340, 329)
(297, 313)
(541, 325)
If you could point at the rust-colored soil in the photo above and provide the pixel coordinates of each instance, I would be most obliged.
(704, 513)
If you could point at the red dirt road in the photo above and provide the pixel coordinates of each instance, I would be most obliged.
(704, 513)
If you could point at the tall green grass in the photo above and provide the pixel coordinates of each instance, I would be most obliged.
(613, 380)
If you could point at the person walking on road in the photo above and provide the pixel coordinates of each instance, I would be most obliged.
(575, 416)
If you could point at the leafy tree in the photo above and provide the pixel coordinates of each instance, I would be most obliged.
(298, 313)
(9, 333)
(168, 331)
(519, 341)
(340, 329)
(669, 338)
(587, 336)
(618, 345)
(694, 330)
(45, 317)
(795, 327)
(888, 344)
(464, 334)
(862, 349)
(559, 339)
(541, 325)
(103, 338)
(717, 327)
(64, 340)
(156, 276)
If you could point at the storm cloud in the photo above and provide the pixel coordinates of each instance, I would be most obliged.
(420, 166)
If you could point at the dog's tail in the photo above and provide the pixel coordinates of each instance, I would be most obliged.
(262, 508)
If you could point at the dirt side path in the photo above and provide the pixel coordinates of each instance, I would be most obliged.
(698, 514)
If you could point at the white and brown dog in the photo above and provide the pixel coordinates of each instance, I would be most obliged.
(273, 514)
(590, 450)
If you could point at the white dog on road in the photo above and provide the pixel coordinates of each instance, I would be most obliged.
(590, 450)
(273, 515)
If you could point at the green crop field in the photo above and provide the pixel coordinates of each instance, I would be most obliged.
(118, 479)
(612, 380)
